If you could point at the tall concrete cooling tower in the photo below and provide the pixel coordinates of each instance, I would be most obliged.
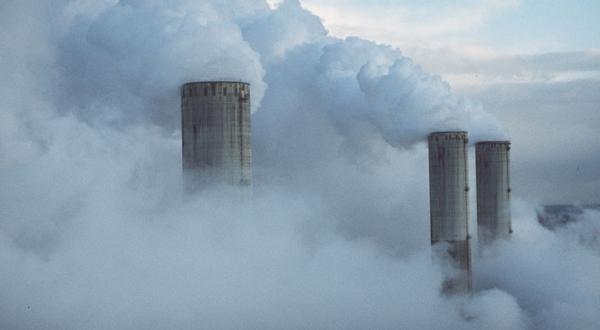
(449, 202)
(215, 130)
(493, 190)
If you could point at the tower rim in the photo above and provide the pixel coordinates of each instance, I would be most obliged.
(493, 142)
(448, 132)
(206, 82)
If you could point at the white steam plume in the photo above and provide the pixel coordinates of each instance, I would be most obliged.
(94, 234)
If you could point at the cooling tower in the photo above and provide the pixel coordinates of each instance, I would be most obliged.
(215, 130)
(493, 190)
(449, 196)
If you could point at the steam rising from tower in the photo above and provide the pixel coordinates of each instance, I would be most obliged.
(493, 190)
(448, 189)
(215, 126)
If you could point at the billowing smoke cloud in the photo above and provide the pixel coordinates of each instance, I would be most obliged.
(94, 232)
(130, 58)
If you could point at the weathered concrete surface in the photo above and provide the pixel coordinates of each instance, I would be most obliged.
(493, 190)
(216, 133)
(449, 202)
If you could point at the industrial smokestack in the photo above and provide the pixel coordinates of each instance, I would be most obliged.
(449, 203)
(215, 131)
(493, 190)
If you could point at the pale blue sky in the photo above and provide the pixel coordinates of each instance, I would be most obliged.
(532, 26)
(563, 25)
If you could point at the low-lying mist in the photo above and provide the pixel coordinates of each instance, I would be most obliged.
(96, 233)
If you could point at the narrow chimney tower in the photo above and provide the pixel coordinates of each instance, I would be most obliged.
(493, 190)
(215, 131)
(449, 203)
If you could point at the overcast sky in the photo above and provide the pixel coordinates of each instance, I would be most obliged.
(505, 27)
(533, 64)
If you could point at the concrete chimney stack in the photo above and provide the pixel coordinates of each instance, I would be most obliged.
(449, 202)
(215, 131)
(493, 190)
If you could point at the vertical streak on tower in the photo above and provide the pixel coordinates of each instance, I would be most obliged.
(215, 131)
(449, 198)
(493, 190)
